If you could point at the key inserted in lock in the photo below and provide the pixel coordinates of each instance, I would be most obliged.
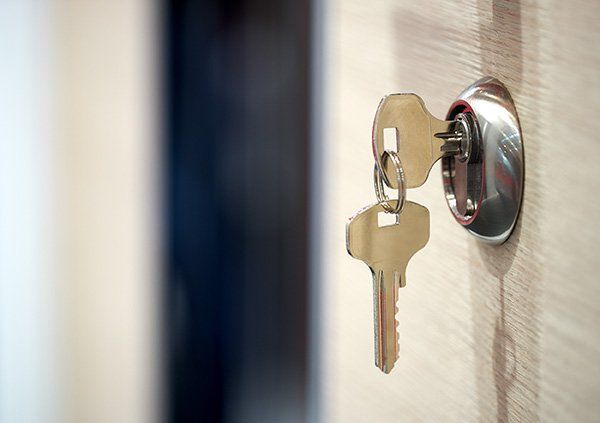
(422, 138)
(480, 147)
(482, 170)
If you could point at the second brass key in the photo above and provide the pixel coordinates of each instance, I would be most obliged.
(387, 250)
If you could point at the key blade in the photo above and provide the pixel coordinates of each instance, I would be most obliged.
(418, 147)
(385, 307)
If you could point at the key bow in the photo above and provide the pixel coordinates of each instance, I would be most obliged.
(418, 140)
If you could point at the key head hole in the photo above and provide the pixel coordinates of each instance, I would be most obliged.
(387, 219)
(391, 140)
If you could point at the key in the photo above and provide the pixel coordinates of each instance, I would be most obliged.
(387, 250)
(421, 139)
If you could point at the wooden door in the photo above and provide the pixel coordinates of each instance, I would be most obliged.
(506, 333)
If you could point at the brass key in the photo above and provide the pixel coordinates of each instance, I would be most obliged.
(387, 250)
(421, 139)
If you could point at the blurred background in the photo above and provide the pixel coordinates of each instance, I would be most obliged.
(155, 210)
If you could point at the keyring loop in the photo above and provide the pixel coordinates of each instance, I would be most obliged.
(382, 198)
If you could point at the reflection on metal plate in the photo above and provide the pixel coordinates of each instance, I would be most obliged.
(485, 193)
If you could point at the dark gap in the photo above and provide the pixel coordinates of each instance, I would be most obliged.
(236, 167)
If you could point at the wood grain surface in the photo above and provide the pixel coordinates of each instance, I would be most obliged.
(505, 333)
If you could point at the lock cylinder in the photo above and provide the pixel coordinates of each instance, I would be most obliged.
(483, 183)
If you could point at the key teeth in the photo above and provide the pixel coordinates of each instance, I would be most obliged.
(397, 323)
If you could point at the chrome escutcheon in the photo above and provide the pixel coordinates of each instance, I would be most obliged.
(485, 192)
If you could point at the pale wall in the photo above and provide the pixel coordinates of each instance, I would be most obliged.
(486, 333)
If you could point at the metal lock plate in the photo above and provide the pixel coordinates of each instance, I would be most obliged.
(485, 192)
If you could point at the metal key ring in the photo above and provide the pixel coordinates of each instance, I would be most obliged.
(382, 198)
